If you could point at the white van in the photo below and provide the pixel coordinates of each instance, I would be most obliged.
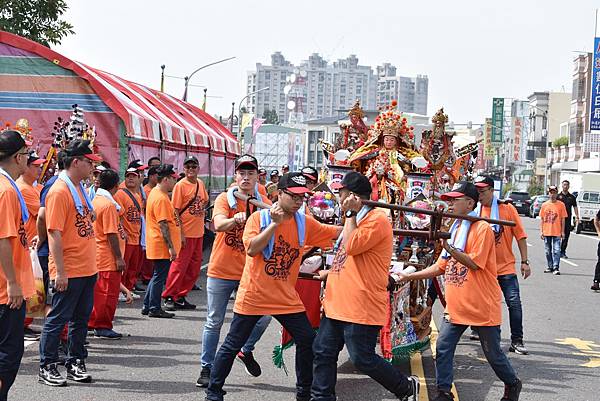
(588, 203)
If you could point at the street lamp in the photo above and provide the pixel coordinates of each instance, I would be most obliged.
(187, 78)
(239, 136)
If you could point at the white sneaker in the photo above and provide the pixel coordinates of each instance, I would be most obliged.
(122, 297)
(135, 296)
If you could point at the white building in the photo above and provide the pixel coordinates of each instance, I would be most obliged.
(410, 92)
(276, 145)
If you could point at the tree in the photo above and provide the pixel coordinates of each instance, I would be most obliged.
(38, 20)
(270, 117)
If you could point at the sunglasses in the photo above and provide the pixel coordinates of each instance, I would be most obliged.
(190, 166)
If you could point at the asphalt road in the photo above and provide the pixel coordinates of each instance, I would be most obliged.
(160, 358)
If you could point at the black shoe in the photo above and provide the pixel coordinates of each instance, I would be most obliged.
(595, 286)
(50, 376)
(252, 367)
(169, 304)
(204, 378)
(303, 398)
(139, 288)
(415, 387)
(556, 272)
(564, 255)
(31, 335)
(197, 288)
(183, 304)
(548, 270)
(444, 396)
(145, 312)
(518, 348)
(511, 393)
(76, 371)
(161, 314)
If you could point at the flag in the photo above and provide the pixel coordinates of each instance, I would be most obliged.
(246, 121)
(256, 123)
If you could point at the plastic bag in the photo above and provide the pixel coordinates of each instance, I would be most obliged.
(37, 303)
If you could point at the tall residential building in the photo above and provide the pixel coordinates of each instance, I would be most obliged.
(579, 122)
(410, 92)
(313, 89)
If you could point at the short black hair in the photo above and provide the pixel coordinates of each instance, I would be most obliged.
(153, 170)
(567, 181)
(60, 159)
(108, 179)
(153, 158)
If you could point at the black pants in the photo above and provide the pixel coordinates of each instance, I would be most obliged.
(565, 241)
(597, 272)
(11, 346)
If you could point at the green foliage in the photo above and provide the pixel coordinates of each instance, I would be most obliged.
(270, 117)
(506, 188)
(560, 141)
(535, 188)
(38, 20)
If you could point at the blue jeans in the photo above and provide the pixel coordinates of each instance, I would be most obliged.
(156, 285)
(218, 293)
(72, 306)
(509, 283)
(239, 332)
(552, 245)
(489, 336)
(361, 341)
(11, 346)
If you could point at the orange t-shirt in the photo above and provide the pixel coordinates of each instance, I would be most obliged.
(357, 283)
(267, 287)
(77, 231)
(228, 254)
(473, 297)
(505, 258)
(107, 222)
(13, 229)
(31, 195)
(262, 191)
(132, 216)
(147, 189)
(193, 217)
(159, 208)
(552, 215)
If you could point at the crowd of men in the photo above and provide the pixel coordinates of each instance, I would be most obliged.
(102, 242)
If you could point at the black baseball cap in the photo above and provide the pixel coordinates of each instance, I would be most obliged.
(246, 162)
(262, 171)
(310, 173)
(274, 172)
(294, 183)
(552, 188)
(462, 188)
(166, 170)
(354, 182)
(190, 159)
(82, 147)
(11, 142)
(34, 159)
(138, 165)
(130, 170)
(484, 181)
(285, 167)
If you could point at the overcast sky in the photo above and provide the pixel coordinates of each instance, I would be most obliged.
(471, 50)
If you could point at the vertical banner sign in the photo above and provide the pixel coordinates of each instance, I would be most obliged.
(497, 120)
(516, 132)
(595, 107)
(480, 137)
(488, 148)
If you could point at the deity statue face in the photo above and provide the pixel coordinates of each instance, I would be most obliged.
(390, 142)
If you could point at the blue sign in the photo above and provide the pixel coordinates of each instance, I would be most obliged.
(595, 107)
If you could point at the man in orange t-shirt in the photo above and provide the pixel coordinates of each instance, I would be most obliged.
(225, 268)
(110, 247)
(163, 239)
(262, 181)
(472, 294)
(505, 259)
(128, 197)
(72, 266)
(274, 240)
(552, 227)
(356, 297)
(189, 200)
(16, 278)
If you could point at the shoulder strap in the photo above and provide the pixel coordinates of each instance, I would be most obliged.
(192, 200)
(135, 202)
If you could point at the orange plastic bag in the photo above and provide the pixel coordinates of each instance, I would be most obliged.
(37, 303)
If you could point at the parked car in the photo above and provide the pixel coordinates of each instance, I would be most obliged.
(536, 205)
(520, 200)
(588, 203)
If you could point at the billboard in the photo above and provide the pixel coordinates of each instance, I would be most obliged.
(595, 106)
(497, 120)
(517, 129)
(488, 148)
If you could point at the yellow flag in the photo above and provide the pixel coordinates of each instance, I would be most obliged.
(246, 121)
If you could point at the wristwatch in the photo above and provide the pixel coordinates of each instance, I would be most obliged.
(525, 262)
(351, 213)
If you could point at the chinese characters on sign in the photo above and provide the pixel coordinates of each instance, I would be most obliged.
(497, 120)
(595, 107)
(517, 127)
(488, 148)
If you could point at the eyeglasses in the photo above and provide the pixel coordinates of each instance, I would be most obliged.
(295, 197)
(190, 166)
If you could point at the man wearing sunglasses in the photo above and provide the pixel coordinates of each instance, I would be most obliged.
(473, 294)
(189, 200)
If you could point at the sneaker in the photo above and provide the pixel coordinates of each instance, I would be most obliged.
(107, 334)
(204, 378)
(50, 376)
(144, 311)
(548, 270)
(511, 393)
(197, 287)
(183, 304)
(139, 288)
(518, 348)
(76, 371)
(252, 367)
(122, 297)
(414, 385)
(595, 286)
(169, 304)
(444, 396)
(303, 398)
(474, 336)
(30, 334)
(556, 272)
(160, 313)
(135, 296)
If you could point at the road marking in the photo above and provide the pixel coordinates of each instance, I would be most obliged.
(528, 244)
(416, 368)
(594, 237)
(29, 342)
(569, 262)
(433, 336)
(585, 348)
